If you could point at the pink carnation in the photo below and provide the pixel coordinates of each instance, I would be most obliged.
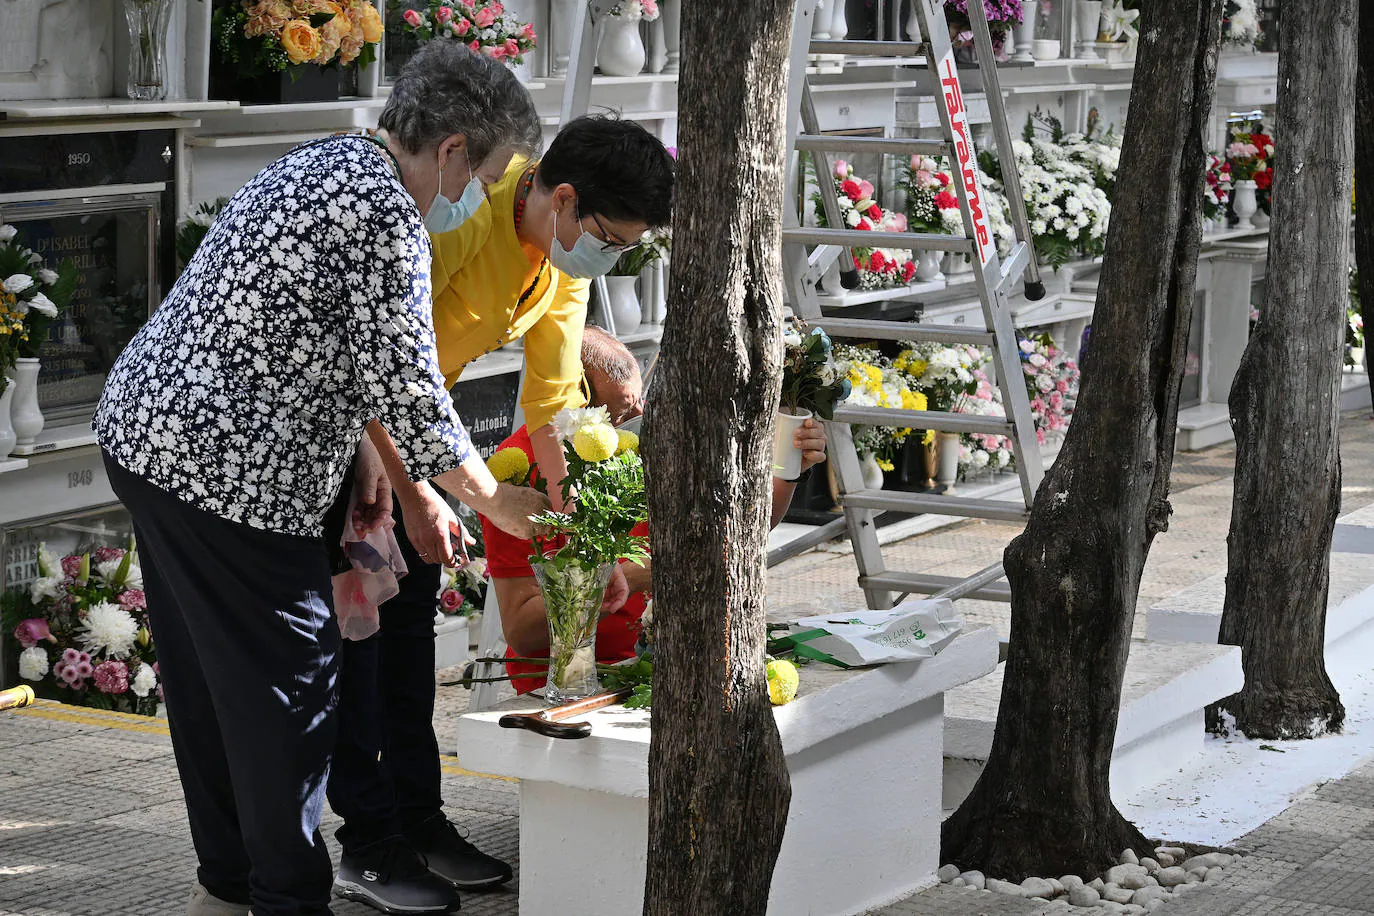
(474, 46)
(133, 599)
(106, 554)
(1062, 386)
(112, 677)
(528, 31)
(865, 189)
(412, 18)
(71, 565)
(33, 631)
(650, 8)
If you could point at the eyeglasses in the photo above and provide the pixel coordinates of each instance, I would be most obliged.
(608, 241)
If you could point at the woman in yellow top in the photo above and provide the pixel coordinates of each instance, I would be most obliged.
(518, 266)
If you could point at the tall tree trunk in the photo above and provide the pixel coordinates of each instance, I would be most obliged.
(718, 783)
(1285, 403)
(1364, 173)
(1042, 804)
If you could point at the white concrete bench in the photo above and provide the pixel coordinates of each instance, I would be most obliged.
(451, 641)
(1160, 727)
(863, 751)
(1194, 614)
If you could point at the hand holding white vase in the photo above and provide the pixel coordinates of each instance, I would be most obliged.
(787, 458)
(25, 414)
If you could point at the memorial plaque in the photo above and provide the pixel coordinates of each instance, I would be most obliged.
(487, 406)
(112, 249)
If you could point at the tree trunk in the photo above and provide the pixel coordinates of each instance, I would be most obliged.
(1285, 403)
(718, 783)
(1364, 173)
(1042, 804)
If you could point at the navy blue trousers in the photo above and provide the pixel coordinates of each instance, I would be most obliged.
(385, 777)
(247, 646)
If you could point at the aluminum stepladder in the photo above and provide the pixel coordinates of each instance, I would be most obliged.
(577, 93)
(994, 278)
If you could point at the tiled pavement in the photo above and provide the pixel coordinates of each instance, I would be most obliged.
(92, 821)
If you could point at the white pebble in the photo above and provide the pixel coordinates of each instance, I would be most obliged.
(1132, 909)
(1177, 852)
(1127, 876)
(1164, 859)
(1172, 876)
(1128, 857)
(1197, 874)
(974, 879)
(1154, 905)
(1208, 860)
(1097, 884)
(958, 882)
(1150, 865)
(1183, 889)
(1111, 907)
(1116, 894)
(947, 873)
(1146, 894)
(1213, 875)
(1038, 887)
(1058, 886)
(1081, 895)
(1005, 887)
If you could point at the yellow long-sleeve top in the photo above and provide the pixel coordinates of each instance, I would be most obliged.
(490, 288)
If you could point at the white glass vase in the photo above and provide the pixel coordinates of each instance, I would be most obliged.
(25, 415)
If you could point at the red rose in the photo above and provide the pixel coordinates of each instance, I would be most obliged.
(875, 212)
(857, 264)
(908, 271)
(1263, 180)
(877, 262)
(946, 201)
(1261, 141)
(451, 600)
(850, 187)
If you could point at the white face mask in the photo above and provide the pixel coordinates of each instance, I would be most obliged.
(445, 215)
(587, 259)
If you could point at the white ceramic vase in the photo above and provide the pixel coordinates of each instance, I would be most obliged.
(562, 16)
(1087, 20)
(625, 308)
(928, 266)
(787, 458)
(25, 415)
(820, 25)
(1244, 203)
(1025, 34)
(947, 460)
(1260, 219)
(1045, 49)
(7, 437)
(873, 474)
(622, 49)
(839, 23)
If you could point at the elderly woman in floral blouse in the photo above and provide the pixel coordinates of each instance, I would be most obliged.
(230, 421)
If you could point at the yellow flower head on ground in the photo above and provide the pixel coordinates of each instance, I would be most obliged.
(782, 681)
(509, 465)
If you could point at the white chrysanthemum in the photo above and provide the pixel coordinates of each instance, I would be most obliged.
(45, 587)
(109, 627)
(144, 682)
(17, 283)
(49, 564)
(1003, 458)
(7, 232)
(571, 419)
(33, 663)
(109, 568)
(47, 277)
(43, 305)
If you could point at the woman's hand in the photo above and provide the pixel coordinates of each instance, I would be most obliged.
(512, 507)
(617, 592)
(430, 525)
(810, 438)
(372, 486)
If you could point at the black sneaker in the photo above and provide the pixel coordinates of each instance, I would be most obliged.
(455, 859)
(391, 876)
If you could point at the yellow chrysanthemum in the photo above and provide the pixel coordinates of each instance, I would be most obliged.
(782, 681)
(629, 442)
(596, 442)
(509, 465)
(913, 400)
(917, 367)
(929, 438)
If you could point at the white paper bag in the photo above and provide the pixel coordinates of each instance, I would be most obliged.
(911, 630)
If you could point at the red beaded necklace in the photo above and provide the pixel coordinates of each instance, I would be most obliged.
(526, 185)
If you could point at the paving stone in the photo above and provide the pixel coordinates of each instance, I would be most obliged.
(1278, 841)
(1353, 790)
(1275, 906)
(1332, 887)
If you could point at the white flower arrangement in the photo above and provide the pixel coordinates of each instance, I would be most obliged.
(636, 10)
(109, 628)
(1241, 25)
(33, 663)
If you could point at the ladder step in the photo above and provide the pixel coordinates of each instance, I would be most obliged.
(924, 419)
(876, 329)
(859, 238)
(923, 503)
(869, 48)
(901, 146)
(921, 584)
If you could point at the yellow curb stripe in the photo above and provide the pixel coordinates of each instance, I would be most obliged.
(80, 715)
(454, 769)
(123, 721)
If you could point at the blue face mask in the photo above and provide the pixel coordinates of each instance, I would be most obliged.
(588, 258)
(445, 215)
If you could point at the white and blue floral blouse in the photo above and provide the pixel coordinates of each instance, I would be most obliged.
(304, 314)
